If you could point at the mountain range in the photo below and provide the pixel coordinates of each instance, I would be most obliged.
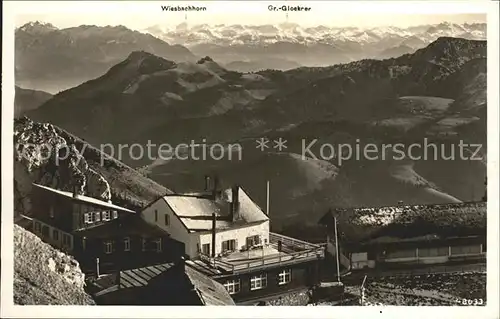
(52, 59)
(436, 93)
(309, 46)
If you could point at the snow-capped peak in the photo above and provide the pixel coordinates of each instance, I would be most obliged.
(190, 35)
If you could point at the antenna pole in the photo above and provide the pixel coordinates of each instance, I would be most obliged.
(97, 267)
(337, 248)
(267, 199)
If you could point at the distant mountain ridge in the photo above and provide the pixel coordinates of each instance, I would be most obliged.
(52, 59)
(309, 46)
(223, 35)
(27, 100)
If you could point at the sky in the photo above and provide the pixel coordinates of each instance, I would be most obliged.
(140, 15)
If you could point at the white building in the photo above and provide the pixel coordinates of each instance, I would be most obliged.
(211, 223)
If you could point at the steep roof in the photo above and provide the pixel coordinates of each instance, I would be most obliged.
(83, 199)
(363, 225)
(211, 292)
(195, 210)
(169, 283)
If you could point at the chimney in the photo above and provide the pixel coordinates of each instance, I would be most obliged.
(214, 219)
(235, 203)
(207, 183)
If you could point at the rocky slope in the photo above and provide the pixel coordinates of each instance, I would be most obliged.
(45, 276)
(47, 155)
(53, 59)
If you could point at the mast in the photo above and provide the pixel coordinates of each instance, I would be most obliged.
(267, 199)
(337, 248)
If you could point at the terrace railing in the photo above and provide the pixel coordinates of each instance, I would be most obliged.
(290, 242)
(292, 251)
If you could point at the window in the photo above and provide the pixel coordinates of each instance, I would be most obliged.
(232, 286)
(401, 254)
(253, 240)
(106, 215)
(228, 245)
(284, 277)
(88, 218)
(55, 234)
(144, 244)
(115, 214)
(45, 231)
(205, 249)
(258, 282)
(84, 243)
(38, 227)
(108, 247)
(51, 211)
(158, 245)
(97, 216)
(126, 244)
(167, 219)
(433, 252)
(156, 215)
(466, 250)
(66, 240)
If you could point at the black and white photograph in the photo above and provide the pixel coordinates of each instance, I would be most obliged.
(251, 154)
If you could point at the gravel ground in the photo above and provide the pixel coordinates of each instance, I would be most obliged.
(425, 290)
(292, 299)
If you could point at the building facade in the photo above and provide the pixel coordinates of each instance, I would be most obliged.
(100, 235)
(227, 237)
(417, 235)
(210, 225)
